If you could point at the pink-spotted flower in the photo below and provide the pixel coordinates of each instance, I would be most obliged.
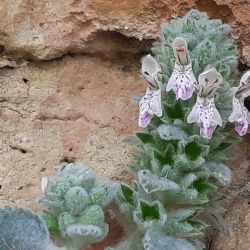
(182, 81)
(204, 112)
(150, 104)
(240, 115)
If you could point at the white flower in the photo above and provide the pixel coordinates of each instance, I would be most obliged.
(150, 70)
(240, 115)
(150, 105)
(204, 112)
(209, 81)
(182, 81)
(206, 115)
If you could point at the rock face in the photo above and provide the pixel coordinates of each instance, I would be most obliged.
(75, 107)
(69, 110)
(43, 30)
(237, 217)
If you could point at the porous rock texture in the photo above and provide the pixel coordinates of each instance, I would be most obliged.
(70, 109)
(68, 71)
(47, 29)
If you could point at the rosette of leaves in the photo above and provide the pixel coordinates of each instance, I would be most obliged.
(23, 230)
(174, 166)
(147, 212)
(75, 199)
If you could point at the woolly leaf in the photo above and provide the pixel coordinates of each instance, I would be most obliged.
(52, 224)
(77, 175)
(23, 230)
(184, 228)
(194, 149)
(216, 140)
(150, 214)
(202, 186)
(128, 194)
(145, 137)
(84, 235)
(55, 205)
(171, 132)
(182, 162)
(152, 183)
(185, 196)
(175, 111)
(165, 157)
(158, 240)
(104, 194)
(188, 180)
(182, 214)
(220, 172)
(77, 199)
(92, 215)
(57, 188)
(65, 219)
(132, 243)
(220, 156)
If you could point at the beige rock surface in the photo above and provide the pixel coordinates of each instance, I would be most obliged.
(77, 107)
(48, 29)
(237, 217)
(73, 109)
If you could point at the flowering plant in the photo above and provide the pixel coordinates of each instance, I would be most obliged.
(74, 200)
(188, 112)
(180, 160)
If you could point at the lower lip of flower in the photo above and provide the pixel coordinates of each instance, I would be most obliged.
(210, 131)
(207, 132)
(240, 129)
(146, 117)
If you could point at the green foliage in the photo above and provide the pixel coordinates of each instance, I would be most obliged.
(171, 132)
(158, 240)
(52, 224)
(23, 230)
(179, 173)
(75, 199)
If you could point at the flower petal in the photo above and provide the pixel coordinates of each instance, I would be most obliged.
(207, 132)
(241, 128)
(155, 103)
(240, 115)
(150, 105)
(180, 49)
(194, 114)
(144, 119)
(209, 82)
(182, 81)
(244, 86)
(217, 117)
(150, 69)
(237, 110)
(206, 115)
(150, 65)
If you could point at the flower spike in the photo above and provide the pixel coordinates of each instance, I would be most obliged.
(150, 104)
(204, 112)
(240, 115)
(182, 80)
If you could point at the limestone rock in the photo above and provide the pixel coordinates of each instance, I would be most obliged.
(75, 109)
(44, 30)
